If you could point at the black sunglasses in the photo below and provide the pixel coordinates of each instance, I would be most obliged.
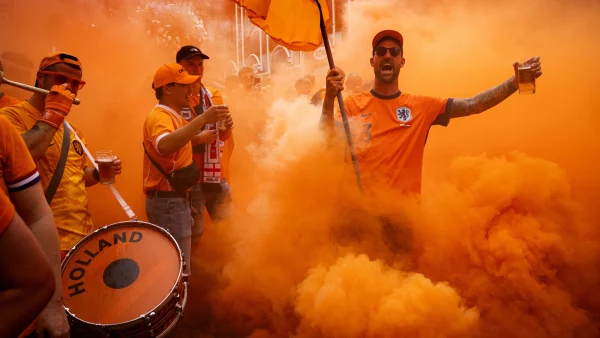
(381, 51)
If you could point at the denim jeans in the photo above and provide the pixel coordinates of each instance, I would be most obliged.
(217, 204)
(173, 214)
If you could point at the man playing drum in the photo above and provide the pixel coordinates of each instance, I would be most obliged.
(169, 170)
(40, 120)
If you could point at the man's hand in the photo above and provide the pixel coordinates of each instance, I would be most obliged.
(60, 99)
(53, 322)
(216, 114)
(227, 124)
(536, 68)
(206, 136)
(335, 82)
(117, 165)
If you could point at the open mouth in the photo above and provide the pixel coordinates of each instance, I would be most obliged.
(387, 68)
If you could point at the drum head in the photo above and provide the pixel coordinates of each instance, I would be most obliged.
(120, 272)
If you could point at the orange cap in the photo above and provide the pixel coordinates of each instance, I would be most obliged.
(172, 73)
(388, 33)
(54, 58)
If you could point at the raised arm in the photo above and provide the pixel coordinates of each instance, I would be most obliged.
(491, 97)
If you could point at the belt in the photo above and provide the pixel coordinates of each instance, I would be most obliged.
(166, 194)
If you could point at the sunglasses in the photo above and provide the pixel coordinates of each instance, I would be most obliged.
(62, 79)
(381, 51)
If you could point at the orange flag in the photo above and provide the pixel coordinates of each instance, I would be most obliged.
(294, 24)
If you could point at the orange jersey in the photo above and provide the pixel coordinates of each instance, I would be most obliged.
(17, 170)
(6, 100)
(161, 121)
(226, 146)
(70, 203)
(7, 212)
(389, 134)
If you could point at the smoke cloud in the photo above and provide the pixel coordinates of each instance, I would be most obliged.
(504, 240)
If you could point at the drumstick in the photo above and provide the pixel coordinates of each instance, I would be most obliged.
(76, 101)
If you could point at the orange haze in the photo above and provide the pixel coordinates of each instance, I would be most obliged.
(505, 238)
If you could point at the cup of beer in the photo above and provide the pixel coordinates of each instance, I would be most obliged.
(526, 78)
(105, 159)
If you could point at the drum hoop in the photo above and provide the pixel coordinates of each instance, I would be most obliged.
(179, 315)
(118, 225)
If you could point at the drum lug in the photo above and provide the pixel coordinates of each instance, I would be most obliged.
(148, 317)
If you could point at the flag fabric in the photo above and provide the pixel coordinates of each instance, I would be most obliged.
(294, 24)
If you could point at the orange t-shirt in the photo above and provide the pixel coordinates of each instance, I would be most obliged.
(7, 212)
(226, 146)
(389, 134)
(70, 203)
(161, 121)
(17, 169)
(7, 100)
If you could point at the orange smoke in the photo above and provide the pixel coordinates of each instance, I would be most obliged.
(504, 241)
(386, 302)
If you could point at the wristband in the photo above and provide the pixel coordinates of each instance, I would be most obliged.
(96, 175)
(52, 118)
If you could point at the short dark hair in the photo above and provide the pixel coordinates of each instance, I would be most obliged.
(158, 92)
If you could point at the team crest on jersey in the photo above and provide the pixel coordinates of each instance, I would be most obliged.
(403, 114)
(78, 148)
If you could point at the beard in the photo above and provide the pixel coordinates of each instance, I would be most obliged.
(387, 78)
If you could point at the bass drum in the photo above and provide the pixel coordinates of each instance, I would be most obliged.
(124, 280)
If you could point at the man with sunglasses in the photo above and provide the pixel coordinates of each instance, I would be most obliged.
(394, 125)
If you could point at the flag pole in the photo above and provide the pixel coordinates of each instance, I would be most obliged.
(340, 99)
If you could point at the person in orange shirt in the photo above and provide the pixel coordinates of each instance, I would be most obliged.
(6, 100)
(27, 278)
(212, 191)
(20, 180)
(394, 125)
(41, 122)
(169, 170)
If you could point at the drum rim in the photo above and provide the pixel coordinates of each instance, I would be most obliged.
(116, 225)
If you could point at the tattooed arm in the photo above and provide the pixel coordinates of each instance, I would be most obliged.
(483, 101)
(490, 98)
(38, 139)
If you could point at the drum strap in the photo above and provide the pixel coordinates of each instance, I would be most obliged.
(60, 167)
(120, 199)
